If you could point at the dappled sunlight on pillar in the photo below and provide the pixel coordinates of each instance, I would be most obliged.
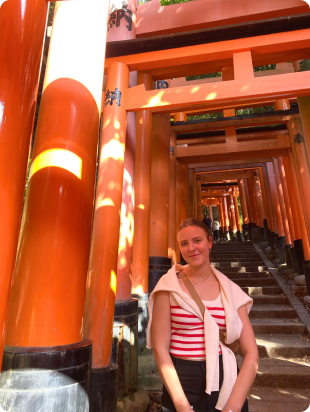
(57, 158)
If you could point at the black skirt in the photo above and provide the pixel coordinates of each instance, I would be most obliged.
(192, 375)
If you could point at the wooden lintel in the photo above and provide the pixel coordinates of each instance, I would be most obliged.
(229, 175)
(218, 94)
(220, 166)
(240, 138)
(283, 142)
(238, 122)
(262, 46)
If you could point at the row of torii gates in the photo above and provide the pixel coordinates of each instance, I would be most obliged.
(151, 171)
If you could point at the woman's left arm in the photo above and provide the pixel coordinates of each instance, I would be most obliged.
(249, 366)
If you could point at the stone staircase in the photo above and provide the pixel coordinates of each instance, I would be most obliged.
(283, 379)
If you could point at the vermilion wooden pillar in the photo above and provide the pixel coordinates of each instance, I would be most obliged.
(172, 200)
(277, 210)
(159, 216)
(238, 223)
(249, 207)
(183, 193)
(301, 161)
(126, 30)
(222, 220)
(140, 269)
(297, 253)
(22, 39)
(105, 237)
(253, 202)
(179, 201)
(199, 206)
(298, 197)
(232, 215)
(190, 192)
(50, 282)
(259, 203)
(301, 166)
(101, 281)
(226, 217)
(272, 228)
(286, 198)
(210, 212)
(281, 201)
(244, 209)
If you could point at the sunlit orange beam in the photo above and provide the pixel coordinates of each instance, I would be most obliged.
(259, 45)
(246, 90)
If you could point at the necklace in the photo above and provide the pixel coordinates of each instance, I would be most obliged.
(200, 281)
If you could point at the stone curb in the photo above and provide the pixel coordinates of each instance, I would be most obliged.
(301, 312)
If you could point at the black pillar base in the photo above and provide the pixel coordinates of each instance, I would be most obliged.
(245, 229)
(265, 230)
(143, 316)
(158, 266)
(53, 378)
(287, 254)
(275, 240)
(250, 226)
(280, 246)
(125, 344)
(307, 275)
(226, 233)
(271, 239)
(104, 389)
(262, 233)
(239, 237)
(300, 257)
(293, 260)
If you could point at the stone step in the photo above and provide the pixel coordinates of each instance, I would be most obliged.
(262, 290)
(245, 275)
(233, 255)
(282, 373)
(255, 282)
(267, 299)
(237, 266)
(242, 259)
(272, 311)
(263, 399)
(284, 346)
(277, 325)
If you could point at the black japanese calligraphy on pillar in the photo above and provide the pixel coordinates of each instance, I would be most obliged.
(116, 15)
(298, 138)
(160, 84)
(111, 96)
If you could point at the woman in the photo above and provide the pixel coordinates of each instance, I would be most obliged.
(199, 372)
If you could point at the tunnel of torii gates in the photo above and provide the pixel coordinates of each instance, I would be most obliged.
(64, 342)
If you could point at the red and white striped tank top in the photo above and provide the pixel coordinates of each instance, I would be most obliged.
(187, 330)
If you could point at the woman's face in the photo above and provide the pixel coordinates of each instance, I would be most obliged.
(194, 245)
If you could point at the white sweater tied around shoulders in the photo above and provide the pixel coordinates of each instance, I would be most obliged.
(232, 299)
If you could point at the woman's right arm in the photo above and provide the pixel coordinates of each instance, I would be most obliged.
(161, 332)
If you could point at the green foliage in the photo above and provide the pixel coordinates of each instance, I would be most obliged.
(253, 110)
(264, 68)
(203, 76)
(166, 2)
(304, 65)
(51, 13)
(206, 116)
